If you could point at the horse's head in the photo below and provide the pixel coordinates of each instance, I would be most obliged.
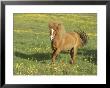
(54, 28)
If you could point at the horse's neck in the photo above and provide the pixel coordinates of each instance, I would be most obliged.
(58, 36)
(62, 34)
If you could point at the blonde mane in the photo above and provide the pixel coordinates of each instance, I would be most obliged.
(62, 32)
(60, 27)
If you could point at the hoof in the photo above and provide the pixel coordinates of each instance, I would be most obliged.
(52, 62)
(71, 62)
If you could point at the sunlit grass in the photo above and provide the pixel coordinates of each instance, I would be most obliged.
(32, 49)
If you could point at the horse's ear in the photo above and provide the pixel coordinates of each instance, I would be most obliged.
(59, 26)
(49, 25)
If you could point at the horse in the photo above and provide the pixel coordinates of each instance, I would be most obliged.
(62, 40)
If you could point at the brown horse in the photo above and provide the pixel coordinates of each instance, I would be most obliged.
(62, 40)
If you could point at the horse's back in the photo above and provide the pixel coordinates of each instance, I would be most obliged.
(73, 35)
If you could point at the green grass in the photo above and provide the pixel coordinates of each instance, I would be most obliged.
(32, 50)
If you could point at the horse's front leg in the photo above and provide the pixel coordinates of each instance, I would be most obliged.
(55, 54)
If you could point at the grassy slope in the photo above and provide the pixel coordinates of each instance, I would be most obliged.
(32, 51)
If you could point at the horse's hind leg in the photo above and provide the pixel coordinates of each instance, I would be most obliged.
(73, 53)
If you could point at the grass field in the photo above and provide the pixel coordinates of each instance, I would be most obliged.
(32, 50)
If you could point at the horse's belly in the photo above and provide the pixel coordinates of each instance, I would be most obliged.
(67, 47)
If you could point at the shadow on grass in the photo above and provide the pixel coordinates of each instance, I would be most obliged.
(90, 55)
(36, 56)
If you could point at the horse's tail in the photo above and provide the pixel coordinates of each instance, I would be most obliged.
(84, 37)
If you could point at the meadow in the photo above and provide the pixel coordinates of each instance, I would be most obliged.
(32, 45)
